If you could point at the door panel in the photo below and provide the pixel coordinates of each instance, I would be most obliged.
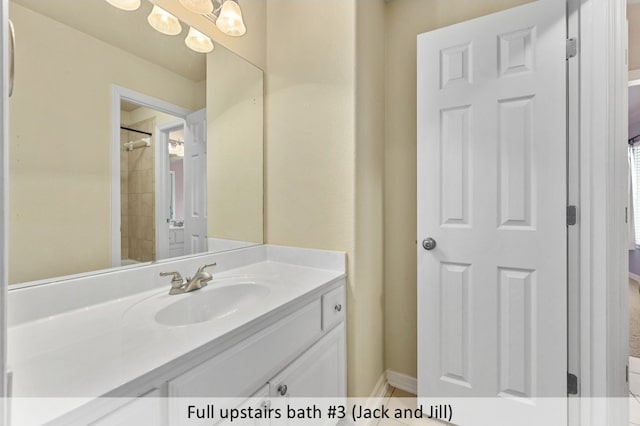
(492, 193)
(195, 183)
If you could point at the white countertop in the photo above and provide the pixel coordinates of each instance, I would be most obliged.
(91, 351)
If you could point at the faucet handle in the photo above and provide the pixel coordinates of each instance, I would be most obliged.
(176, 279)
(208, 265)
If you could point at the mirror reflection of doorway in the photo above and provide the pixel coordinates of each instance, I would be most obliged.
(139, 141)
(175, 149)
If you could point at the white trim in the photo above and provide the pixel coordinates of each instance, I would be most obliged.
(379, 390)
(601, 249)
(573, 198)
(634, 277)
(375, 400)
(119, 93)
(4, 198)
(402, 381)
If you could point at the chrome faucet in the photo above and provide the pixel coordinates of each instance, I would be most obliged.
(177, 283)
(199, 280)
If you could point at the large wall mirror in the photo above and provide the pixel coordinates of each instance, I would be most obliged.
(125, 145)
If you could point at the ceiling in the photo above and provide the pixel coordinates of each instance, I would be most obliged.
(128, 31)
(128, 106)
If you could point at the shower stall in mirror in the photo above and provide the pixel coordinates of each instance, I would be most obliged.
(137, 186)
(152, 214)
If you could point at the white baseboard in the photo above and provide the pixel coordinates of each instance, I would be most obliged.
(375, 400)
(380, 389)
(634, 277)
(402, 381)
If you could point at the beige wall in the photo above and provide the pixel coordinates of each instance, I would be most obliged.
(310, 123)
(324, 153)
(234, 149)
(310, 149)
(366, 361)
(60, 144)
(404, 20)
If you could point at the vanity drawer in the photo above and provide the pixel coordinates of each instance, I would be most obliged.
(258, 401)
(240, 370)
(333, 307)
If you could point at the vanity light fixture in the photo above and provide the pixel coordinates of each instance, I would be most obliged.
(198, 42)
(164, 22)
(176, 148)
(225, 14)
(202, 7)
(128, 5)
(230, 20)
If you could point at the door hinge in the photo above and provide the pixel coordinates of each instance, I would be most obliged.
(572, 47)
(572, 384)
(572, 215)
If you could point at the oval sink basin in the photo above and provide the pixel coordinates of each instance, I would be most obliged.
(210, 303)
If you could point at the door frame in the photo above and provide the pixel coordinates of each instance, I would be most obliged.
(118, 94)
(4, 199)
(598, 257)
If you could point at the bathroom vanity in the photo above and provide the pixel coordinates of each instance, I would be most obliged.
(270, 324)
(176, 241)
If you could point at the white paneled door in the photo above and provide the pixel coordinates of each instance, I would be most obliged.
(492, 200)
(195, 183)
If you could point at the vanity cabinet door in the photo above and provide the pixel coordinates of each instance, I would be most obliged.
(318, 373)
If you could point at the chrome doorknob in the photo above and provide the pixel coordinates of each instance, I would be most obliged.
(282, 390)
(429, 243)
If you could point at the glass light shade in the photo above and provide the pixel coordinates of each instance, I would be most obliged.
(176, 149)
(198, 42)
(202, 7)
(125, 4)
(230, 19)
(164, 22)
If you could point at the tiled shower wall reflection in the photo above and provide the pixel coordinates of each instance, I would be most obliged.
(137, 172)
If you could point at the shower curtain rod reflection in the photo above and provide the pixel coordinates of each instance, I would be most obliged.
(137, 131)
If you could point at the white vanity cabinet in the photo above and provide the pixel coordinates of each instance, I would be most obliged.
(302, 355)
(176, 242)
(145, 410)
(318, 373)
(284, 340)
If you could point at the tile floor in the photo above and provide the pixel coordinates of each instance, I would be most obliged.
(396, 398)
